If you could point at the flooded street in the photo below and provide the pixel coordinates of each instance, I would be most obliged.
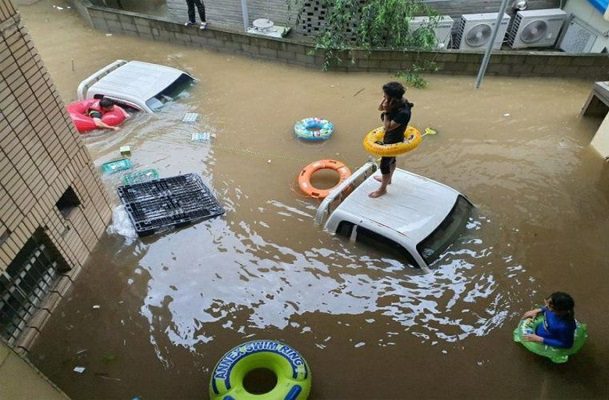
(150, 317)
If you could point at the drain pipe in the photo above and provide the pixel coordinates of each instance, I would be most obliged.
(246, 18)
(489, 48)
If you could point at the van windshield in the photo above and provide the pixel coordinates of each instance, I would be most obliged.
(447, 232)
(170, 92)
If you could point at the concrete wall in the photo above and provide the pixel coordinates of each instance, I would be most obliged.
(456, 8)
(41, 156)
(511, 63)
(600, 141)
(20, 380)
(228, 13)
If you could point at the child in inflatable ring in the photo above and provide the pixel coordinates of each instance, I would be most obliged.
(558, 327)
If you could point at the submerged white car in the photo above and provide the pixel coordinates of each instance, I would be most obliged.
(135, 84)
(418, 218)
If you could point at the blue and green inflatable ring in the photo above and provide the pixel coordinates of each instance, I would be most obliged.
(314, 129)
(557, 355)
(293, 373)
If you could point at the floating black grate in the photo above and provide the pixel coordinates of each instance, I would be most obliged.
(168, 202)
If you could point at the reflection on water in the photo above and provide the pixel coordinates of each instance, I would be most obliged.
(276, 283)
(171, 304)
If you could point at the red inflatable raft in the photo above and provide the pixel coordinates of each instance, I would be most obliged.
(79, 109)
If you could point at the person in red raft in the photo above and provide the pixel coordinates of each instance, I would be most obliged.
(91, 114)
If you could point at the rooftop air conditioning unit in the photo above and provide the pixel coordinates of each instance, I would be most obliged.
(475, 30)
(536, 28)
(442, 29)
(577, 37)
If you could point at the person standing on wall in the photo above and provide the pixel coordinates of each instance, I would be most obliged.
(191, 13)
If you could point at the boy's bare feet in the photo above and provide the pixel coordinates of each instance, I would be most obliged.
(377, 193)
(380, 179)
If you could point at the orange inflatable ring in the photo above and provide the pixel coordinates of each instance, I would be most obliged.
(304, 178)
(373, 142)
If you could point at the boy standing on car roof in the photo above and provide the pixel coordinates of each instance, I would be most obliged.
(395, 116)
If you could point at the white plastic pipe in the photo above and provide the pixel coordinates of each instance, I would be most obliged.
(246, 18)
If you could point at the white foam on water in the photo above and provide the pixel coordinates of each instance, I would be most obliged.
(121, 225)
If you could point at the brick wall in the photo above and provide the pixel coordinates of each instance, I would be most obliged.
(504, 62)
(41, 156)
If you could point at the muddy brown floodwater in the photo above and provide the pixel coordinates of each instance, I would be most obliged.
(170, 305)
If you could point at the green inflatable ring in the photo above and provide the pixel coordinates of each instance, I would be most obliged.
(292, 371)
(557, 355)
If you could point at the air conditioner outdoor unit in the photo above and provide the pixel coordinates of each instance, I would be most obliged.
(536, 28)
(578, 37)
(442, 30)
(475, 30)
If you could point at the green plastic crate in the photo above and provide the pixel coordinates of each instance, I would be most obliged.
(140, 176)
(112, 167)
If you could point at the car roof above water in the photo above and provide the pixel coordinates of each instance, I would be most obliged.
(132, 81)
(413, 206)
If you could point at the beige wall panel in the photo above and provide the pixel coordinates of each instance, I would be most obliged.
(41, 155)
(5, 258)
(6, 10)
(19, 380)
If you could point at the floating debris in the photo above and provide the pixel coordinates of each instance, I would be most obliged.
(201, 137)
(79, 370)
(429, 131)
(117, 165)
(168, 202)
(145, 175)
(104, 375)
(190, 117)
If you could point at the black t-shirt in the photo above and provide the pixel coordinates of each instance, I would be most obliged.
(94, 114)
(402, 117)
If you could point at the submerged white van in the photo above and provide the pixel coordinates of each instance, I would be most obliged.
(418, 218)
(136, 84)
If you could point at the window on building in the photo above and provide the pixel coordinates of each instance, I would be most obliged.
(25, 283)
(67, 202)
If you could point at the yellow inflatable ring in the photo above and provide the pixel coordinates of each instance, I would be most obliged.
(374, 139)
(292, 372)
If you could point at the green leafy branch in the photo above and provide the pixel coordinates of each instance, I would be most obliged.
(379, 24)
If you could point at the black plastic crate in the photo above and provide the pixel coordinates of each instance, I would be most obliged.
(168, 202)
